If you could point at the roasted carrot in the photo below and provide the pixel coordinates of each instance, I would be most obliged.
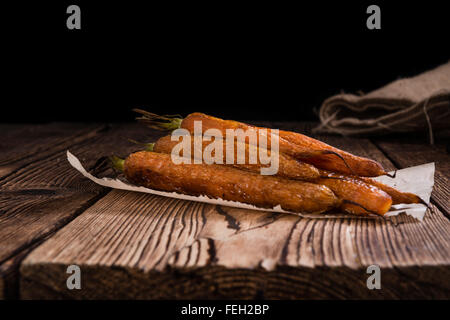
(158, 171)
(293, 169)
(288, 167)
(293, 144)
(396, 195)
(357, 197)
(300, 146)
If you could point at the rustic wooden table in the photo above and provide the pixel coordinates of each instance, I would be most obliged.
(131, 245)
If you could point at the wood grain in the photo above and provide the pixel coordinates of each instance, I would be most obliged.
(127, 234)
(9, 280)
(132, 245)
(23, 144)
(40, 192)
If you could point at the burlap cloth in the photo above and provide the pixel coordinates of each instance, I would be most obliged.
(405, 105)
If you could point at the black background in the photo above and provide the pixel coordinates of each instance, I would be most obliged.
(252, 60)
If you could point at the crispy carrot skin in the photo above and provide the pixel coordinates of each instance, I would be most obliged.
(396, 195)
(293, 169)
(359, 165)
(299, 146)
(357, 197)
(157, 171)
(287, 166)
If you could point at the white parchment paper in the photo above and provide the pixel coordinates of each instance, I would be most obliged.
(418, 180)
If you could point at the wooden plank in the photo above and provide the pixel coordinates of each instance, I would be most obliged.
(407, 153)
(131, 245)
(9, 280)
(43, 192)
(23, 144)
(165, 248)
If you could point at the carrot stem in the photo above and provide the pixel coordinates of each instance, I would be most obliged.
(147, 146)
(117, 163)
(162, 123)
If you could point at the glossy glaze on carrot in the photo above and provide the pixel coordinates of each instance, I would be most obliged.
(396, 195)
(357, 197)
(288, 167)
(298, 146)
(157, 171)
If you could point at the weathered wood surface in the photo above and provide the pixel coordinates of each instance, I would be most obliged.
(39, 191)
(132, 245)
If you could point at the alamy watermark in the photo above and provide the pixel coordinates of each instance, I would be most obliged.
(374, 281)
(374, 20)
(74, 280)
(74, 19)
(264, 154)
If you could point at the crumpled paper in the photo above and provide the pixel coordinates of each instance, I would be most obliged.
(418, 180)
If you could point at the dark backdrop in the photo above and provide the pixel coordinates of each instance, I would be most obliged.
(258, 60)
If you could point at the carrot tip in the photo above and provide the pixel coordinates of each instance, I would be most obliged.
(391, 175)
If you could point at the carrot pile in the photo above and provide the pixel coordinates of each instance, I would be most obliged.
(312, 176)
